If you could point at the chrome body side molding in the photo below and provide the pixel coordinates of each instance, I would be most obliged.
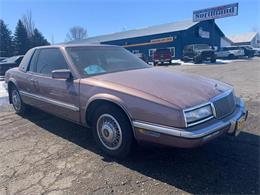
(50, 101)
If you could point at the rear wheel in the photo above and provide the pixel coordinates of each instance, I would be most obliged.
(18, 105)
(112, 131)
(185, 59)
(231, 56)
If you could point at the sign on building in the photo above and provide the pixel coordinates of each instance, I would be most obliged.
(216, 12)
(204, 34)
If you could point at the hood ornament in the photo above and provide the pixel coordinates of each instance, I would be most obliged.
(219, 87)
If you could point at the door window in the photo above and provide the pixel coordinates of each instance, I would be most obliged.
(32, 66)
(172, 51)
(151, 52)
(49, 60)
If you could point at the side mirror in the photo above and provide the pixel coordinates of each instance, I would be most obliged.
(61, 74)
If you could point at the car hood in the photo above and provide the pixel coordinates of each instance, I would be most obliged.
(179, 89)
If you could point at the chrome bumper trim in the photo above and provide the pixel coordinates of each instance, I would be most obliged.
(178, 132)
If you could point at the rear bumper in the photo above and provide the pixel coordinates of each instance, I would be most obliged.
(162, 60)
(185, 138)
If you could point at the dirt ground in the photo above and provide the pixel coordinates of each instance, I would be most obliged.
(42, 154)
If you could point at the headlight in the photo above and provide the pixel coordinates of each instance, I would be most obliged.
(198, 114)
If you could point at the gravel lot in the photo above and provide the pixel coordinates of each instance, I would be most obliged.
(42, 154)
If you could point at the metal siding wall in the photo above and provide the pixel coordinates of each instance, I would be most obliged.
(145, 49)
(185, 37)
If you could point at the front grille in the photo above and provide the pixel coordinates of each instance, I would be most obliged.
(225, 105)
(207, 53)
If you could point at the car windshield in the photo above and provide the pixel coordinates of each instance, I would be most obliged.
(163, 50)
(94, 60)
(201, 46)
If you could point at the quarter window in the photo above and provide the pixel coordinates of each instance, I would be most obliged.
(49, 60)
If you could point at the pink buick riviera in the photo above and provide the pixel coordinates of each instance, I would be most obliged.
(122, 98)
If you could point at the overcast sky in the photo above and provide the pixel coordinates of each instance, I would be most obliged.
(54, 17)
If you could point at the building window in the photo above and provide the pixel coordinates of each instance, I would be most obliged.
(151, 51)
(135, 51)
(172, 51)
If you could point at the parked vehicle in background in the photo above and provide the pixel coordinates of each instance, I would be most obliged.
(248, 50)
(230, 52)
(124, 99)
(256, 51)
(198, 53)
(162, 56)
(141, 56)
(8, 63)
(2, 58)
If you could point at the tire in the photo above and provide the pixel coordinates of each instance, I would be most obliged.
(213, 60)
(197, 60)
(231, 56)
(108, 122)
(18, 105)
(184, 59)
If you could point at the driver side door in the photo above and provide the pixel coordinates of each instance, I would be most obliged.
(56, 96)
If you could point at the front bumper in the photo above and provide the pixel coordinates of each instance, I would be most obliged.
(191, 137)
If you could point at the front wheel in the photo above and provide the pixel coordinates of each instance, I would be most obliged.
(197, 60)
(18, 105)
(213, 60)
(112, 131)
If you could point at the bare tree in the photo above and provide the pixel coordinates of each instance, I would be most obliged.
(52, 39)
(28, 23)
(76, 33)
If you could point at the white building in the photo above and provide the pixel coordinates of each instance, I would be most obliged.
(251, 38)
(225, 42)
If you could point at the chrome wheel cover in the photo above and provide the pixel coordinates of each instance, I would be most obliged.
(16, 100)
(109, 132)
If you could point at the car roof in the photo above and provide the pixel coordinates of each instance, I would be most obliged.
(75, 45)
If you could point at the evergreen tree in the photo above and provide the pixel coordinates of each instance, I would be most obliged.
(21, 40)
(6, 48)
(37, 39)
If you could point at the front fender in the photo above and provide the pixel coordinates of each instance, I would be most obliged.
(110, 98)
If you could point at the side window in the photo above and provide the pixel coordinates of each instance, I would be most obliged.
(18, 61)
(49, 60)
(172, 51)
(32, 66)
(151, 52)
